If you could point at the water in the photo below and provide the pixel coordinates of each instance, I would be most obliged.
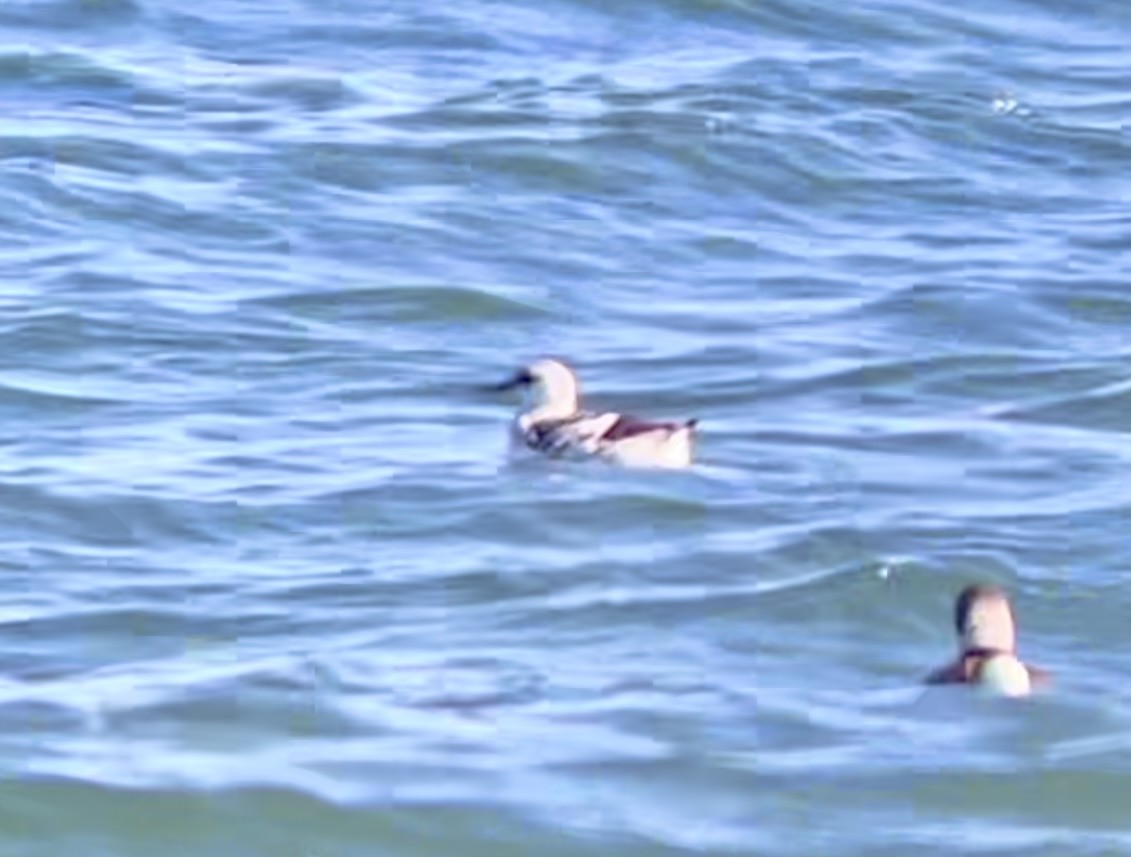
(268, 585)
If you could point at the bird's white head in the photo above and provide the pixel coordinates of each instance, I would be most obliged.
(551, 387)
(984, 620)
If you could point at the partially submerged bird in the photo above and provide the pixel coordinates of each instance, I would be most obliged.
(552, 422)
(987, 646)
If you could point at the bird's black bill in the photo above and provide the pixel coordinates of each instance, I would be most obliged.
(519, 379)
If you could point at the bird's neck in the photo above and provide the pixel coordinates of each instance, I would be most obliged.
(555, 405)
(552, 410)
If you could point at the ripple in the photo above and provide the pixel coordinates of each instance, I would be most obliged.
(414, 303)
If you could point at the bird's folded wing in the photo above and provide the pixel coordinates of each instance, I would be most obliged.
(625, 427)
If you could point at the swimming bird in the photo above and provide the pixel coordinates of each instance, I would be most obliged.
(987, 646)
(553, 423)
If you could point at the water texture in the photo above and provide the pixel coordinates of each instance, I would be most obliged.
(268, 584)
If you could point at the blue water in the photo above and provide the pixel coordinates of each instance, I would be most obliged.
(270, 585)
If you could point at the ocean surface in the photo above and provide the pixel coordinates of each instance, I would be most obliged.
(270, 584)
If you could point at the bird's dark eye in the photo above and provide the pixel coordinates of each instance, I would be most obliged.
(522, 378)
